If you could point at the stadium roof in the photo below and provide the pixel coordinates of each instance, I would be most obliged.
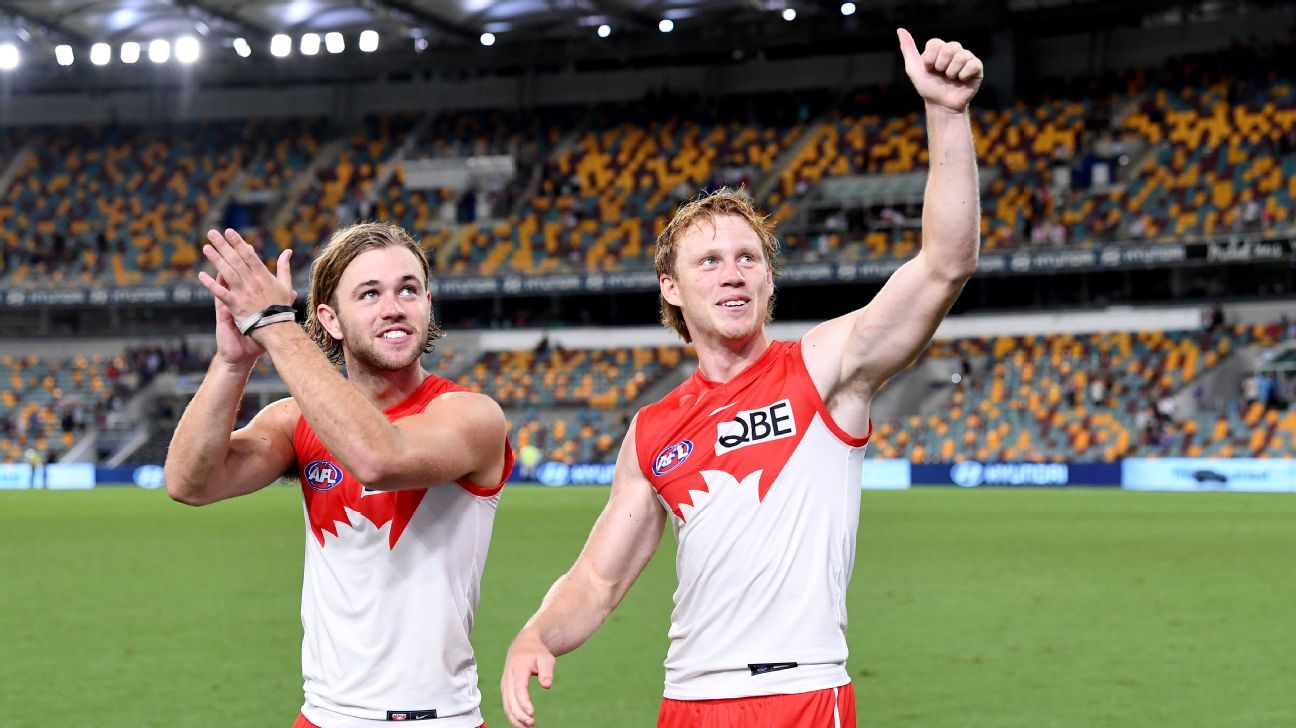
(451, 36)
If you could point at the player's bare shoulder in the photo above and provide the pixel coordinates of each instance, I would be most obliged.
(274, 424)
(476, 408)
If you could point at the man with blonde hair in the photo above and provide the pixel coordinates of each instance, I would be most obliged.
(756, 459)
(400, 470)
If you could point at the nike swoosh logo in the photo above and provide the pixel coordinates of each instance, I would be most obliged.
(718, 410)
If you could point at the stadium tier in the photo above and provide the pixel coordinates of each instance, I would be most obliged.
(1131, 157)
(47, 403)
(1097, 397)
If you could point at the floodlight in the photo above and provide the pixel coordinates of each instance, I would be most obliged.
(186, 49)
(159, 50)
(280, 45)
(63, 54)
(369, 41)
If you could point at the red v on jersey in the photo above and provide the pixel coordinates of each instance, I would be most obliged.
(326, 509)
(329, 490)
(753, 422)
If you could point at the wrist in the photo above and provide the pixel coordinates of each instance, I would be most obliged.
(236, 369)
(939, 111)
(270, 333)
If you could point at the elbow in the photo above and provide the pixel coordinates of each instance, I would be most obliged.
(959, 275)
(955, 269)
(373, 470)
(186, 497)
(184, 491)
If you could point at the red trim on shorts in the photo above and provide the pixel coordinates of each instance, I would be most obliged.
(827, 708)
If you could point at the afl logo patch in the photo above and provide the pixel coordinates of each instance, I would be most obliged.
(671, 456)
(322, 474)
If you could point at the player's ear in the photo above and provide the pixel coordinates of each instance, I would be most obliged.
(327, 317)
(669, 291)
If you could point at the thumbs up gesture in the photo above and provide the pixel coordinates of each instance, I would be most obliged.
(945, 73)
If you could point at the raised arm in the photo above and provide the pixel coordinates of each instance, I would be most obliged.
(206, 461)
(623, 540)
(460, 436)
(850, 357)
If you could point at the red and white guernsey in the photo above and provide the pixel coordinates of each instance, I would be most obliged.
(763, 490)
(390, 588)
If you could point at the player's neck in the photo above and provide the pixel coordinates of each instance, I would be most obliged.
(385, 387)
(720, 361)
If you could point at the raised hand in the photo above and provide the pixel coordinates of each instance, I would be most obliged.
(945, 74)
(243, 283)
(236, 349)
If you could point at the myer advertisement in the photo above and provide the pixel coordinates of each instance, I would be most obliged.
(1249, 475)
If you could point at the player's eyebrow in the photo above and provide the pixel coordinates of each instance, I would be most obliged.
(374, 282)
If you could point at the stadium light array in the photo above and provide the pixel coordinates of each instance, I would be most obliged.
(8, 57)
(130, 52)
(488, 39)
(789, 14)
(848, 8)
(280, 45)
(242, 48)
(310, 44)
(604, 30)
(100, 54)
(187, 49)
(369, 41)
(666, 25)
(334, 42)
(63, 54)
(159, 50)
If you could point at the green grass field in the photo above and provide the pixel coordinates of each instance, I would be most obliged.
(982, 608)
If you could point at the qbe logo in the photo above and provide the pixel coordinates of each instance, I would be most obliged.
(671, 456)
(322, 475)
(751, 427)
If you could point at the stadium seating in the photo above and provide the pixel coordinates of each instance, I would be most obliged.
(1035, 398)
(122, 204)
(45, 403)
(556, 377)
